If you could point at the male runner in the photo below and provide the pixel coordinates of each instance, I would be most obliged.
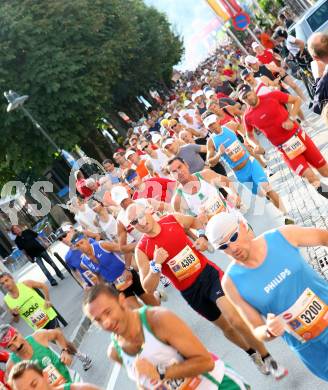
(36, 347)
(100, 260)
(156, 347)
(27, 375)
(24, 302)
(274, 288)
(199, 192)
(269, 115)
(224, 143)
(165, 247)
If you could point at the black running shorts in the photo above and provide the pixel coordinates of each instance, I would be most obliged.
(204, 292)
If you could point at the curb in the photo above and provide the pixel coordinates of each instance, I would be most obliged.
(80, 331)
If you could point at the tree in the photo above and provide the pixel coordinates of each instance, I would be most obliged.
(76, 60)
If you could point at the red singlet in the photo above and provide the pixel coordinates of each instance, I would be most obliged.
(174, 240)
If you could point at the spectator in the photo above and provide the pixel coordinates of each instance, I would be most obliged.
(318, 46)
(34, 248)
(81, 185)
(113, 172)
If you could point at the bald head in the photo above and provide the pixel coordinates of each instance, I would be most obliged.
(318, 46)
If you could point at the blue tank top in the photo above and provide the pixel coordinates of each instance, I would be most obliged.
(109, 266)
(229, 139)
(279, 281)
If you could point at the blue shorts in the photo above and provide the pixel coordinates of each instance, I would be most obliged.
(252, 174)
(314, 354)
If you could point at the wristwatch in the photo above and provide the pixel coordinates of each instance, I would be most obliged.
(161, 371)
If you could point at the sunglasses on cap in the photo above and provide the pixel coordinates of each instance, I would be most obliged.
(135, 221)
(144, 147)
(76, 238)
(131, 177)
(233, 238)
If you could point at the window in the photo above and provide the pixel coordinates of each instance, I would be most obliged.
(319, 17)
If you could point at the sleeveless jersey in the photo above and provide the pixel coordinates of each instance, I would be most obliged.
(207, 197)
(284, 284)
(159, 353)
(184, 263)
(30, 307)
(235, 151)
(54, 370)
(109, 265)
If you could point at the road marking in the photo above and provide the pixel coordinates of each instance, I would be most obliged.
(113, 377)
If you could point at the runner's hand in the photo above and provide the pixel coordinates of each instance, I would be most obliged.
(144, 368)
(288, 124)
(160, 255)
(15, 315)
(275, 325)
(201, 244)
(47, 304)
(66, 358)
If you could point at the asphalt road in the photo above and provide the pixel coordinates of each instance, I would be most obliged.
(304, 205)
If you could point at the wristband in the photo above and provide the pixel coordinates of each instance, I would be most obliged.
(155, 268)
(129, 268)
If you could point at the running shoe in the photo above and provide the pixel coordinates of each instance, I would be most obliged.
(86, 361)
(161, 295)
(164, 280)
(276, 370)
(257, 359)
(289, 221)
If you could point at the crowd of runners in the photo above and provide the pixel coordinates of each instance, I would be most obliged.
(171, 195)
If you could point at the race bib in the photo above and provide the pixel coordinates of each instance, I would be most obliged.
(293, 147)
(91, 277)
(235, 151)
(214, 206)
(121, 283)
(39, 318)
(184, 264)
(307, 318)
(53, 376)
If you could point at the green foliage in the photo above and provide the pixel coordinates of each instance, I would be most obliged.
(76, 60)
(271, 6)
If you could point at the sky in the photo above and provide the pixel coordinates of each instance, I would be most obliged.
(189, 18)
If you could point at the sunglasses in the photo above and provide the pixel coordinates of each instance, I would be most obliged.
(144, 147)
(232, 238)
(135, 221)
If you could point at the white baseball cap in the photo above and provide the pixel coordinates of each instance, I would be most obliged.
(129, 153)
(220, 225)
(209, 120)
(167, 115)
(168, 141)
(209, 93)
(156, 138)
(250, 60)
(255, 45)
(144, 129)
(195, 95)
(119, 193)
(187, 103)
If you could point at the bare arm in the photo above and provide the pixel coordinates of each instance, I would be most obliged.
(296, 102)
(212, 156)
(115, 247)
(305, 236)
(40, 286)
(179, 204)
(252, 317)
(170, 329)
(149, 280)
(189, 222)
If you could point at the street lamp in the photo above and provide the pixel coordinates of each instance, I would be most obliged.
(15, 101)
